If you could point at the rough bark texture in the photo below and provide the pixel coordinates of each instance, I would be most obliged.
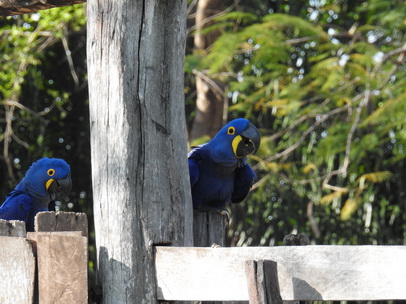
(139, 166)
(210, 93)
(17, 7)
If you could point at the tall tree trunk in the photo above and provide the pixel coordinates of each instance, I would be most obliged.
(210, 100)
(139, 165)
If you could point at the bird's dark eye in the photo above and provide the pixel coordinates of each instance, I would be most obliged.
(231, 131)
(51, 172)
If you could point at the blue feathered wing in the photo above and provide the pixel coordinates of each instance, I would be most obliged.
(17, 206)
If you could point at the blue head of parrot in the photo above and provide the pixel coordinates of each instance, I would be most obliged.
(235, 141)
(47, 179)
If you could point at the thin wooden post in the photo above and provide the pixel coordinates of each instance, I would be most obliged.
(262, 281)
(209, 228)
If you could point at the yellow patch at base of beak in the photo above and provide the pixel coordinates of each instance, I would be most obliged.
(235, 143)
(48, 183)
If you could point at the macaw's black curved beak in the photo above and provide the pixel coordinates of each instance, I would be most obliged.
(249, 141)
(58, 189)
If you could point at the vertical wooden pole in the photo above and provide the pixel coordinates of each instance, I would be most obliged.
(140, 177)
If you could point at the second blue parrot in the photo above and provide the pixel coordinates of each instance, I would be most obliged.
(47, 179)
(219, 172)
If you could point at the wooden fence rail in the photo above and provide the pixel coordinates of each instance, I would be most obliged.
(57, 249)
(304, 272)
(256, 274)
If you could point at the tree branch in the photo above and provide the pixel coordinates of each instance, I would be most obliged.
(18, 7)
(322, 118)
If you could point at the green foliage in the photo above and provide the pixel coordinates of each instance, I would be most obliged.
(328, 91)
(44, 100)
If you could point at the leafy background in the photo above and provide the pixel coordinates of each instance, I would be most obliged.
(323, 80)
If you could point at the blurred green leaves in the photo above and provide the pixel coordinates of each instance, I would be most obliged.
(327, 88)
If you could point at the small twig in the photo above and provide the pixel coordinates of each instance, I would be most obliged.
(344, 167)
(401, 50)
(300, 40)
(208, 19)
(191, 7)
(24, 108)
(297, 122)
(68, 54)
(322, 118)
(20, 141)
(312, 220)
(214, 86)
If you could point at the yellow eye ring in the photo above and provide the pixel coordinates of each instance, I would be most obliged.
(231, 131)
(51, 172)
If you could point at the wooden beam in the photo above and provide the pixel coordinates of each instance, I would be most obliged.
(18, 7)
(305, 272)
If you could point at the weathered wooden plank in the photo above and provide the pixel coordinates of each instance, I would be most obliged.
(33, 236)
(62, 268)
(61, 221)
(17, 7)
(262, 282)
(305, 272)
(17, 271)
(12, 228)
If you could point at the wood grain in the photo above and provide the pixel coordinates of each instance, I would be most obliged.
(305, 272)
(62, 268)
(141, 187)
(17, 270)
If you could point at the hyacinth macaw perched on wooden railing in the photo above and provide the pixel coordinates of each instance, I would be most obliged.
(47, 179)
(219, 172)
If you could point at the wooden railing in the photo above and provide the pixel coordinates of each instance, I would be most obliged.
(45, 266)
(50, 266)
(303, 273)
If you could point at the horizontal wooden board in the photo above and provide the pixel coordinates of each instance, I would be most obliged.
(305, 272)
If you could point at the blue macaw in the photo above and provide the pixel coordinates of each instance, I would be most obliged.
(46, 180)
(219, 172)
